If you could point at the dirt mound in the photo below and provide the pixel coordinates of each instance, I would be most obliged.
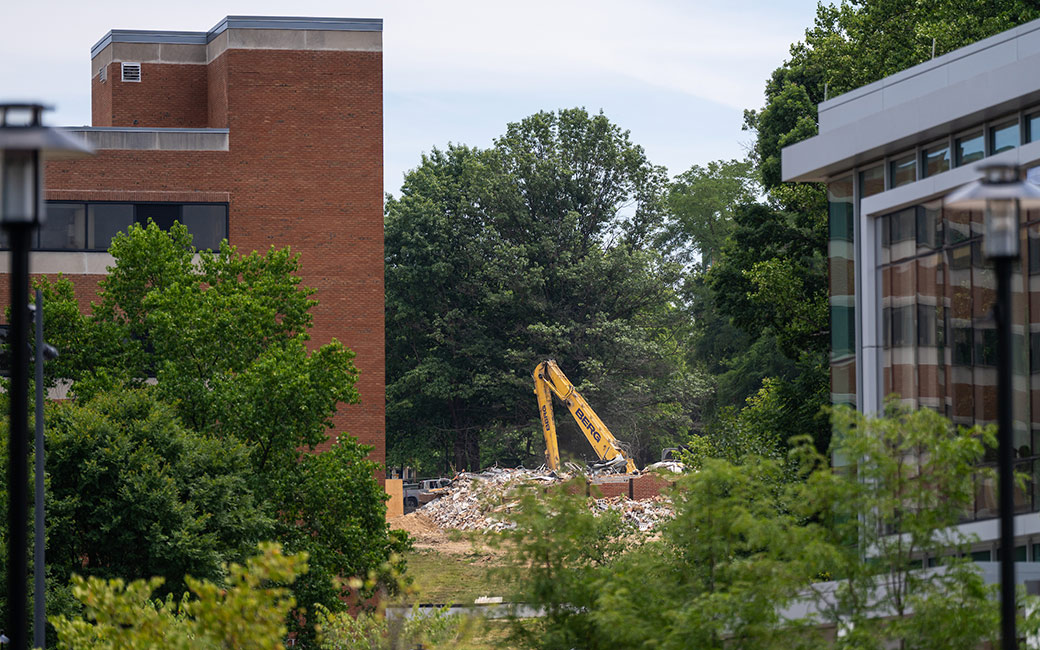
(428, 535)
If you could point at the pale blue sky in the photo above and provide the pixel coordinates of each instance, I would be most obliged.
(676, 74)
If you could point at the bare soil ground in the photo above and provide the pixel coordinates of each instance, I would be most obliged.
(428, 536)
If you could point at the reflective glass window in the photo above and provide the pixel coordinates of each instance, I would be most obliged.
(936, 160)
(929, 226)
(872, 181)
(1033, 130)
(970, 148)
(903, 170)
(1003, 136)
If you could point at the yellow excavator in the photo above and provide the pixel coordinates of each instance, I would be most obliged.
(549, 380)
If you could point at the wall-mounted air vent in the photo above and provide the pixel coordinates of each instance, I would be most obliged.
(103, 74)
(131, 72)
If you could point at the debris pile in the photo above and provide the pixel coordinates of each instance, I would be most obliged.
(644, 515)
(476, 501)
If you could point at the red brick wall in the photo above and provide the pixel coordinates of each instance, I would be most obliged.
(216, 83)
(304, 170)
(613, 489)
(647, 486)
(101, 98)
(171, 95)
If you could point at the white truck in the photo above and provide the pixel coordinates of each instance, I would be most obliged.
(412, 491)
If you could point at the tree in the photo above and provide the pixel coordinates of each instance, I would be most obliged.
(701, 202)
(540, 247)
(900, 489)
(870, 547)
(249, 611)
(224, 339)
(132, 493)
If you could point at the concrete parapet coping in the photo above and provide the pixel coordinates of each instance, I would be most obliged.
(257, 32)
(153, 139)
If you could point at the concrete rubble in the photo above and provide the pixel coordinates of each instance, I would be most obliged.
(476, 501)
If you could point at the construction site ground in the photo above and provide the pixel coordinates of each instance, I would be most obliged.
(445, 566)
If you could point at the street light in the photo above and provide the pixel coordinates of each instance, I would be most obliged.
(1002, 194)
(24, 146)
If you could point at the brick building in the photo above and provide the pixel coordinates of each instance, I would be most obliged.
(264, 130)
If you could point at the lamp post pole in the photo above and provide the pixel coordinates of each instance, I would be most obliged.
(19, 235)
(24, 144)
(1005, 455)
(1001, 194)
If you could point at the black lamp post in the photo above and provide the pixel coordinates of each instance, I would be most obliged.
(1002, 193)
(24, 145)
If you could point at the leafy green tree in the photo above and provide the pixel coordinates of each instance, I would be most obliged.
(903, 482)
(540, 247)
(701, 201)
(224, 339)
(869, 548)
(132, 493)
(248, 611)
(560, 554)
(771, 281)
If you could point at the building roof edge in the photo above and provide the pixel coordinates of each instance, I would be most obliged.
(237, 22)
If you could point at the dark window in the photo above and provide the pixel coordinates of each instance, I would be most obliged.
(929, 225)
(927, 330)
(961, 346)
(901, 330)
(902, 225)
(206, 223)
(843, 330)
(985, 347)
(83, 226)
(163, 214)
(107, 219)
(872, 181)
(970, 148)
(64, 229)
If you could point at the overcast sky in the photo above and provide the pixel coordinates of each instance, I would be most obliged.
(677, 74)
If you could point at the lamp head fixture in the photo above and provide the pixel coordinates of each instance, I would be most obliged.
(25, 143)
(1001, 194)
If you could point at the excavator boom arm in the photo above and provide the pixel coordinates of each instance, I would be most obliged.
(548, 379)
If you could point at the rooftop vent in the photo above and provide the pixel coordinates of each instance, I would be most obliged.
(103, 74)
(131, 72)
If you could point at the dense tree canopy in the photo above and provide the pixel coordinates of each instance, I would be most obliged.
(195, 403)
(752, 560)
(540, 247)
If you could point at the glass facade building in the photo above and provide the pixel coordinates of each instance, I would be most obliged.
(911, 296)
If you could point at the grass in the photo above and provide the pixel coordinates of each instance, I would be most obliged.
(450, 578)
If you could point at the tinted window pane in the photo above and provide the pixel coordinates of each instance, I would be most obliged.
(107, 219)
(872, 181)
(206, 223)
(903, 170)
(936, 160)
(65, 228)
(1003, 137)
(970, 148)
